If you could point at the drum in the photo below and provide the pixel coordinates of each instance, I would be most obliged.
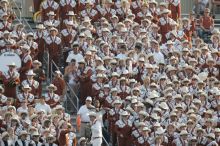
(7, 58)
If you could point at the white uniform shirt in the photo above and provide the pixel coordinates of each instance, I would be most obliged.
(96, 129)
(44, 107)
(78, 57)
(84, 113)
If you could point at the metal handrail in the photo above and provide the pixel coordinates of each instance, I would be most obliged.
(18, 8)
(72, 93)
(105, 141)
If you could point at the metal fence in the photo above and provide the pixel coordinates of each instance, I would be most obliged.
(72, 101)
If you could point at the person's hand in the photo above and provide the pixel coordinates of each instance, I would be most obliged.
(121, 135)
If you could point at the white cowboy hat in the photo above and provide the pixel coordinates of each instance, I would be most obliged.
(70, 13)
(52, 86)
(30, 73)
(51, 13)
(12, 64)
(35, 133)
(183, 132)
(40, 26)
(37, 62)
(81, 139)
(26, 87)
(124, 113)
(166, 11)
(23, 132)
(89, 98)
(53, 29)
(160, 131)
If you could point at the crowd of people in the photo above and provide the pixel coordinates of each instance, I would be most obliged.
(144, 75)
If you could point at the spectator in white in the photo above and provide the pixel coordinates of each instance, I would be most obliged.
(43, 106)
(96, 129)
(158, 55)
(75, 54)
(83, 114)
(23, 108)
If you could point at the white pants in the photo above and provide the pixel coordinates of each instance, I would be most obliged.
(97, 142)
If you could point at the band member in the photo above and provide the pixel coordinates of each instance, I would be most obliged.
(5, 8)
(47, 6)
(123, 129)
(59, 82)
(107, 11)
(123, 10)
(32, 83)
(90, 12)
(65, 7)
(51, 98)
(33, 45)
(26, 61)
(25, 95)
(7, 42)
(51, 19)
(39, 74)
(53, 45)
(19, 32)
(39, 36)
(11, 80)
(175, 7)
(165, 24)
(84, 76)
(68, 36)
(5, 24)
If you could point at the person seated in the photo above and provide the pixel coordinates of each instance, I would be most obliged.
(206, 23)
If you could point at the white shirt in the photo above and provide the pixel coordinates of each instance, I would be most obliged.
(78, 57)
(84, 113)
(96, 129)
(22, 109)
(44, 107)
(159, 57)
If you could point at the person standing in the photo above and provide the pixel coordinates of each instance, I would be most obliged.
(83, 115)
(123, 129)
(11, 80)
(96, 130)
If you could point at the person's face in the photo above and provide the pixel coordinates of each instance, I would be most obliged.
(73, 63)
(29, 77)
(11, 68)
(200, 133)
(5, 18)
(81, 65)
(53, 33)
(88, 102)
(206, 13)
(97, 104)
(75, 49)
(35, 138)
(36, 65)
(114, 20)
(14, 123)
(184, 137)
(23, 137)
